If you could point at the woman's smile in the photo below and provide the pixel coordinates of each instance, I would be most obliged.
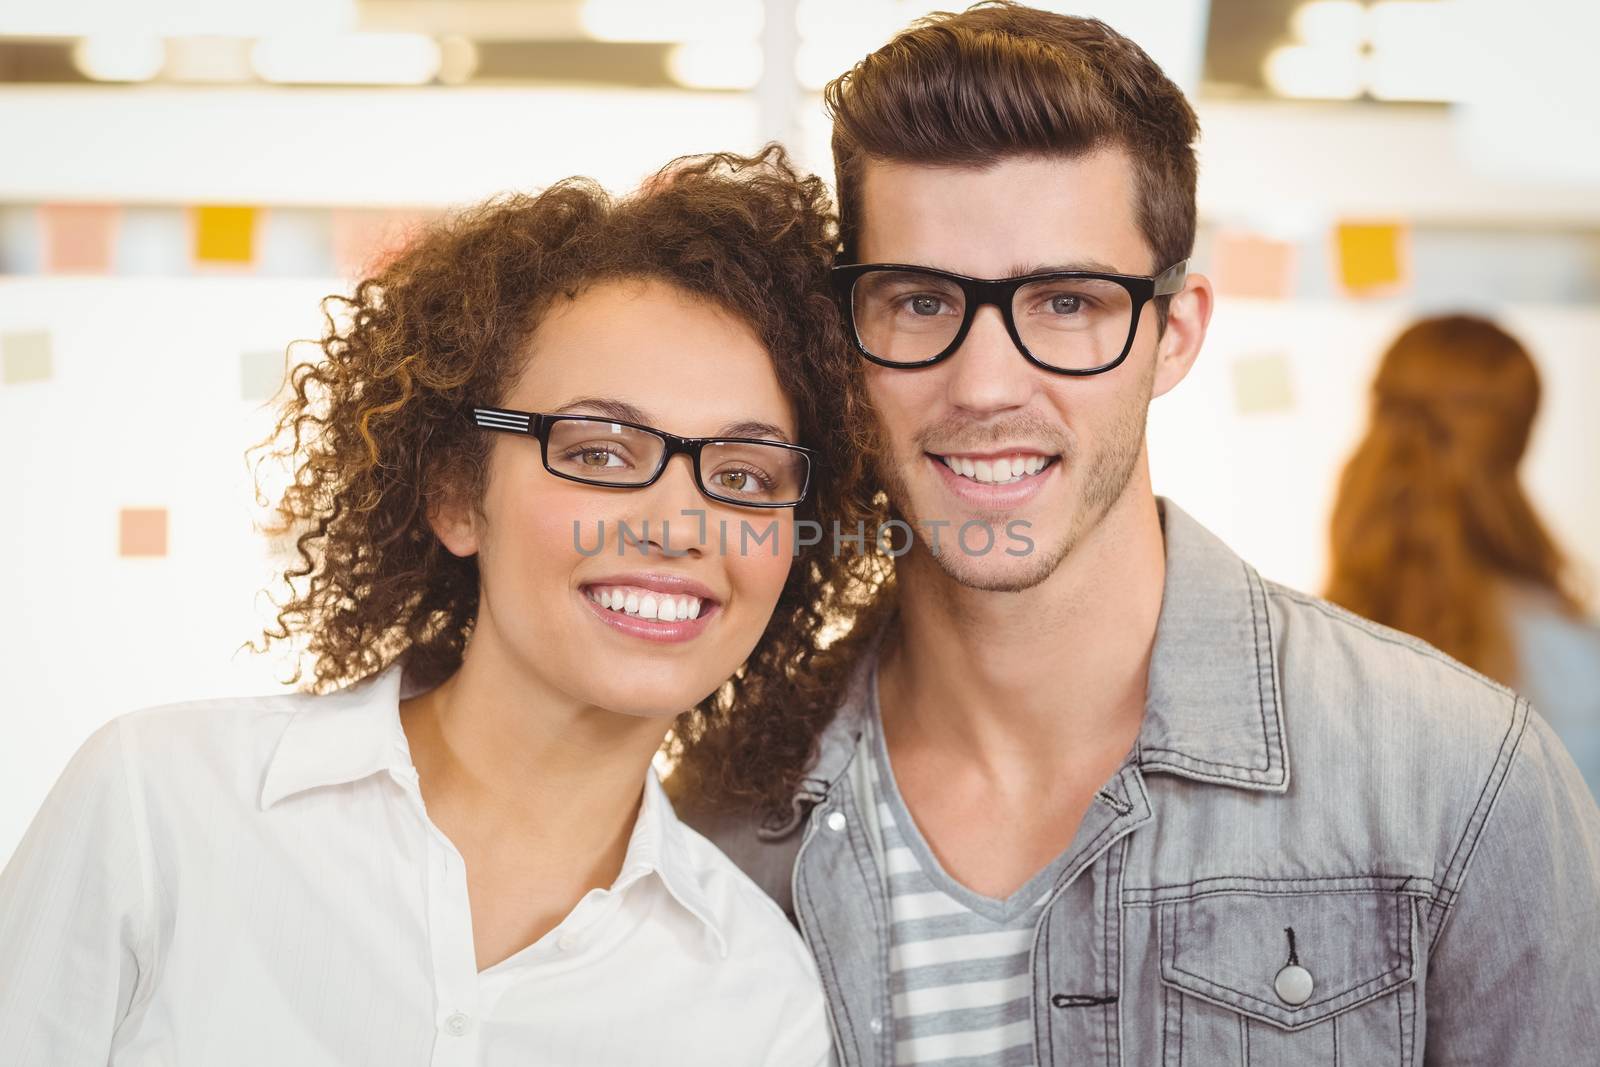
(653, 607)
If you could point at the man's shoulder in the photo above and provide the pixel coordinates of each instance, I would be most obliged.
(1384, 683)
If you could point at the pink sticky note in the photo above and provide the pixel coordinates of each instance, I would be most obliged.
(365, 240)
(1249, 265)
(78, 238)
(142, 532)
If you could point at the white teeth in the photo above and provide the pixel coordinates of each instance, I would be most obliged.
(645, 605)
(1002, 471)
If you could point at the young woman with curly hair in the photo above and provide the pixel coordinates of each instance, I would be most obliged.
(549, 469)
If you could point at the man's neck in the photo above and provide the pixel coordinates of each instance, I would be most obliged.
(1019, 682)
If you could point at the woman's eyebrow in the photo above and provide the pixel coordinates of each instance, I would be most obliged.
(623, 411)
(605, 406)
(753, 429)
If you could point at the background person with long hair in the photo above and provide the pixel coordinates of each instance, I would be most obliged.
(1433, 533)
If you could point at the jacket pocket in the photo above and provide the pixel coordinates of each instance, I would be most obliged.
(1303, 978)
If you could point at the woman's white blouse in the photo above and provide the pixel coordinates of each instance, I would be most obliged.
(256, 882)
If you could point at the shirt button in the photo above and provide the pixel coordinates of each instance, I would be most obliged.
(836, 821)
(1293, 985)
(568, 942)
(876, 1025)
(456, 1024)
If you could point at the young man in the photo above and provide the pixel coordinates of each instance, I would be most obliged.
(1116, 799)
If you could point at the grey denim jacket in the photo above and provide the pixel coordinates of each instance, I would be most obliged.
(1422, 833)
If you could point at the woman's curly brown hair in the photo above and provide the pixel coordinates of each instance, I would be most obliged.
(378, 430)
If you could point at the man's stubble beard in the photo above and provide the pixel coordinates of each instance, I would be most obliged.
(1106, 479)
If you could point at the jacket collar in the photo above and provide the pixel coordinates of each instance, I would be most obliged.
(1213, 712)
(355, 733)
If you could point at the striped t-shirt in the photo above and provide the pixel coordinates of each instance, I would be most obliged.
(958, 961)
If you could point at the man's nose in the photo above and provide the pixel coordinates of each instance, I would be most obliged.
(988, 373)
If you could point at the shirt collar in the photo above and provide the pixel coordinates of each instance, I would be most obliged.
(1213, 711)
(355, 733)
(342, 737)
(659, 845)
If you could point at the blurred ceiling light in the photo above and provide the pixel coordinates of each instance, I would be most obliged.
(348, 59)
(458, 59)
(174, 18)
(672, 20)
(715, 65)
(1318, 73)
(119, 57)
(1331, 23)
(1417, 51)
(208, 59)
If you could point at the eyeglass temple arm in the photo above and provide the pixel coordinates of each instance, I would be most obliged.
(508, 420)
(1170, 280)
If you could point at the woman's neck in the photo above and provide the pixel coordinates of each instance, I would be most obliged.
(505, 762)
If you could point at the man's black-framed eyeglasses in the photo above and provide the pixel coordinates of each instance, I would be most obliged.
(1067, 322)
(746, 471)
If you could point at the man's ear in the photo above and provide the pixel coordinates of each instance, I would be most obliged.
(455, 523)
(1187, 318)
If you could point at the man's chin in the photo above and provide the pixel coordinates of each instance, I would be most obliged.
(1004, 569)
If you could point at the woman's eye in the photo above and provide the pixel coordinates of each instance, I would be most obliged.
(598, 457)
(740, 481)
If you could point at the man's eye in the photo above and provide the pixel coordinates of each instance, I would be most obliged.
(1066, 304)
(925, 305)
(599, 457)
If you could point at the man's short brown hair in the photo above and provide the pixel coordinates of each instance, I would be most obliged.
(1001, 80)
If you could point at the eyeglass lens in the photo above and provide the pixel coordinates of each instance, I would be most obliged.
(610, 453)
(1069, 323)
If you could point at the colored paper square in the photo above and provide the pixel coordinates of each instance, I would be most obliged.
(224, 234)
(1262, 384)
(25, 357)
(261, 375)
(154, 241)
(143, 532)
(1370, 256)
(1248, 265)
(78, 238)
(365, 241)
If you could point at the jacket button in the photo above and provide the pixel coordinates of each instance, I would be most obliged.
(836, 821)
(1293, 985)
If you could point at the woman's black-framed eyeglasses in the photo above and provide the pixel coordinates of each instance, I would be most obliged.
(1067, 322)
(746, 471)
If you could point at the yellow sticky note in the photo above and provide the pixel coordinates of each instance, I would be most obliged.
(1370, 255)
(224, 234)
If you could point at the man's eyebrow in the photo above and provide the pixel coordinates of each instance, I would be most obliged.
(1094, 266)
